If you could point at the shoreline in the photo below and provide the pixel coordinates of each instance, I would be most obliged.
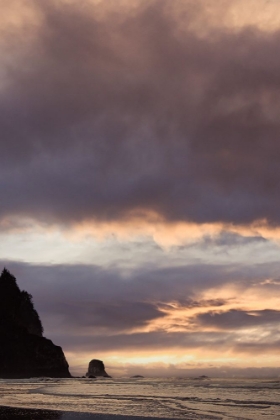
(16, 413)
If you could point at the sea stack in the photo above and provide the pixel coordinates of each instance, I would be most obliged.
(96, 368)
(24, 352)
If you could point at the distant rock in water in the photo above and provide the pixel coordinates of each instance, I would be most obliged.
(136, 376)
(24, 352)
(96, 368)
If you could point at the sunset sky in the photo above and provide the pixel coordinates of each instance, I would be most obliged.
(140, 180)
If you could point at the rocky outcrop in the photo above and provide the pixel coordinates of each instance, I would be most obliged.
(24, 352)
(96, 368)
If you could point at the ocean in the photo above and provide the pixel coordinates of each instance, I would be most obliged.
(170, 398)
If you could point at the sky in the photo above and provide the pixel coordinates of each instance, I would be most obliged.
(140, 182)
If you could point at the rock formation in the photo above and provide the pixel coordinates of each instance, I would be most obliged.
(96, 368)
(24, 352)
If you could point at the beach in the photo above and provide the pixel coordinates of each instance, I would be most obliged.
(144, 398)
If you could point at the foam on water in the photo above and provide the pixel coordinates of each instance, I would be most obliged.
(175, 398)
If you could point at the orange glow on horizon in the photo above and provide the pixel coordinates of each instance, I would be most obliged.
(140, 224)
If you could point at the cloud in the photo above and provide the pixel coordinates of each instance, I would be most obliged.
(107, 316)
(146, 342)
(52, 285)
(204, 315)
(106, 113)
(238, 319)
(227, 240)
(161, 343)
(177, 307)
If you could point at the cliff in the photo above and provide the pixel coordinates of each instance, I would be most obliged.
(24, 352)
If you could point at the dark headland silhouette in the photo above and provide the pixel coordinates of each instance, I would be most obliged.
(24, 352)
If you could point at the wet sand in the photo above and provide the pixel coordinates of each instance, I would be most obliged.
(11, 413)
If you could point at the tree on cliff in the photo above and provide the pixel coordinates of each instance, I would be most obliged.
(16, 306)
(24, 352)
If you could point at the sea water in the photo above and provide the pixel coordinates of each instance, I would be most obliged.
(175, 398)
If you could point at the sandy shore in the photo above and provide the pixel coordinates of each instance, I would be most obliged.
(11, 413)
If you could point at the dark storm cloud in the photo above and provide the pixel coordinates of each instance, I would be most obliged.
(103, 114)
(107, 316)
(236, 319)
